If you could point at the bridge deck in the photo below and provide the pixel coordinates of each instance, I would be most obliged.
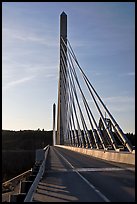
(73, 177)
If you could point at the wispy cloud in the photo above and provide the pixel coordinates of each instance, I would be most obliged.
(131, 74)
(9, 35)
(23, 58)
(118, 103)
(17, 82)
(128, 74)
(115, 99)
(119, 99)
(36, 39)
(15, 70)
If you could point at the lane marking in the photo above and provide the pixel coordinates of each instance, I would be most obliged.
(130, 169)
(100, 169)
(93, 187)
(64, 159)
(58, 170)
(92, 169)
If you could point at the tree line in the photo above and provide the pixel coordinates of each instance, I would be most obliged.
(19, 149)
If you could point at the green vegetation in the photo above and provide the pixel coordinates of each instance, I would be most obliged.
(131, 137)
(18, 150)
(25, 140)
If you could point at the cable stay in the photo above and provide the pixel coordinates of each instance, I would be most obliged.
(83, 122)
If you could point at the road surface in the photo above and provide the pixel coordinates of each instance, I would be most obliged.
(74, 177)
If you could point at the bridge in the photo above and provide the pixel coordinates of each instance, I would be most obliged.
(91, 159)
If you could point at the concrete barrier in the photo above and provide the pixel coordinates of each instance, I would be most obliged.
(110, 155)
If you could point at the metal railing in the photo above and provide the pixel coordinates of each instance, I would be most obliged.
(34, 185)
(12, 182)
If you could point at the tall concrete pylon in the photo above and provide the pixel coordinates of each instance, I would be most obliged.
(61, 88)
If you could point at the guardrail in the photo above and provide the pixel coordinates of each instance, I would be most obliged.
(34, 185)
(12, 182)
(17, 177)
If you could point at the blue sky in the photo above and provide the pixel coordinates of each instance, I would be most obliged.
(103, 38)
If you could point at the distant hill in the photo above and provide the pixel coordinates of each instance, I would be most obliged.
(19, 149)
(25, 139)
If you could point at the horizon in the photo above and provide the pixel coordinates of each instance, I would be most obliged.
(50, 130)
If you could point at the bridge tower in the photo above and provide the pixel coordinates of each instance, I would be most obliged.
(61, 113)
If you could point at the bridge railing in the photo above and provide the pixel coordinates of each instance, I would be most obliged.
(34, 185)
(10, 184)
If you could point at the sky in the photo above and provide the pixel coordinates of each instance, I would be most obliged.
(102, 35)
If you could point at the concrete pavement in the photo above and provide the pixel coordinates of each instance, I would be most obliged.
(74, 177)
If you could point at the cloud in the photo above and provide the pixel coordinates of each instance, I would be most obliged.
(119, 99)
(120, 103)
(22, 59)
(17, 82)
(131, 74)
(34, 38)
(20, 68)
(128, 74)
(117, 103)
(10, 35)
(52, 75)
